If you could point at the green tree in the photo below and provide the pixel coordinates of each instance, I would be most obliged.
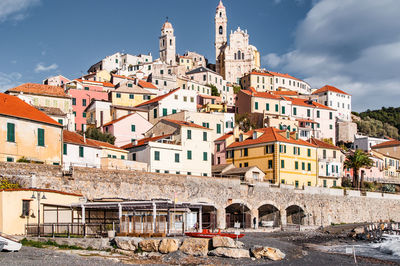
(96, 134)
(236, 88)
(214, 90)
(356, 161)
(244, 122)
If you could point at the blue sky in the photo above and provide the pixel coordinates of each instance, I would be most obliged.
(354, 45)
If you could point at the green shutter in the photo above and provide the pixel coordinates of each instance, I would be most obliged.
(267, 106)
(177, 157)
(60, 121)
(156, 155)
(81, 151)
(303, 166)
(282, 163)
(174, 111)
(155, 113)
(122, 157)
(294, 111)
(133, 128)
(283, 110)
(218, 128)
(204, 136)
(10, 132)
(189, 134)
(309, 167)
(205, 157)
(189, 155)
(276, 108)
(164, 111)
(296, 165)
(40, 132)
(256, 105)
(65, 152)
(309, 152)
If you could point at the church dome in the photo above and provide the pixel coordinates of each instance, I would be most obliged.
(166, 25)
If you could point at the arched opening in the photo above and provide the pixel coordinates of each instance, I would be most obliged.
(269, 216)
(170, 42)
(209, 218)
(220, 14)
(295, 215)
(220, 30)
(239, 55)
(238, 214)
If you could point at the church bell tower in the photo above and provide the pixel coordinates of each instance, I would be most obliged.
(221, 22)
(167, 44)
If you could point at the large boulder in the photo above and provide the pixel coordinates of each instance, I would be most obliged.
(223, 242)
(169, 245)
(195, 246)
(235, 253)
(150, 245)
(128, 243)
(267, 252)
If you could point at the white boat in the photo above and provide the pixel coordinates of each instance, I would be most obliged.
(10, 244)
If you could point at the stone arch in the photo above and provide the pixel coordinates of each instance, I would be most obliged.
(208, 213)
(269, 214)
(220, 30)
(295, 214)
(238, 212)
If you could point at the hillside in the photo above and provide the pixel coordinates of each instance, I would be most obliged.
(379, 123)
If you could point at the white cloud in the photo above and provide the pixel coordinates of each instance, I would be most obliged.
(353, 46)
(40, 67)
(15, 9)
(8, 81)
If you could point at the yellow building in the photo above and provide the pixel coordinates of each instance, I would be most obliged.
(18, 208)
(187, 62)
(261, 81)
(27, 132)
(129, 94)
(280, 154)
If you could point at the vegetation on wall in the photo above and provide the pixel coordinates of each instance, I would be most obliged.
(214, 90)
(244, 122)
(96, 134)
(8, 184)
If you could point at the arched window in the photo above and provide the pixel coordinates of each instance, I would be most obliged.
(242, 55)
(235, 56)
(220, 30)
(239, 55)
(170, 42)
(220, 14)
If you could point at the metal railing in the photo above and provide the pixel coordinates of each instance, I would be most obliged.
(70, 229)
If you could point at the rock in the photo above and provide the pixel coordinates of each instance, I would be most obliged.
(223, 242)
(235, 253)
(239, 244)
(267, 252)
(169, 245)
(195, 246)
(149, 245)
(358, 230)
(128, 243)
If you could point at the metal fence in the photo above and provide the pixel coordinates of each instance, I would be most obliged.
(71, 230)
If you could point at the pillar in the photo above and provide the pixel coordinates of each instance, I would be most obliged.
(83, 213)
(154, 216)
(254, 214)
(221, 218)
(200, 219)
(283, 217)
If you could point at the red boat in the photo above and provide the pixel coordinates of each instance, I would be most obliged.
(207, 234)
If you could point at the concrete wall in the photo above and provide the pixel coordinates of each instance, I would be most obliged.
(319, 208)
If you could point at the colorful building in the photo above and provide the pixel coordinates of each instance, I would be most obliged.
(280, 154)
(129, 94)
(27, 132)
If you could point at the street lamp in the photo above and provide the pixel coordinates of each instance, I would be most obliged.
(38, 194)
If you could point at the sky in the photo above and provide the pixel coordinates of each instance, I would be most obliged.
(353, 45)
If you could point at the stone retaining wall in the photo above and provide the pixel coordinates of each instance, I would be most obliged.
(320, 207)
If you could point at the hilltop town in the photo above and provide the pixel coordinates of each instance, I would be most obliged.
(179, 117)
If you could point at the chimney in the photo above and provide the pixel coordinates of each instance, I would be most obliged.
(236, 131)
(84, 137)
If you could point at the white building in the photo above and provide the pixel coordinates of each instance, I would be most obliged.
(365, 142)
(98, 113)
(175, 147)
(175, 101)
(337, 99)
(167, 44)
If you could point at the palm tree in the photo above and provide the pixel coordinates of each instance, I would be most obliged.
(355, 161)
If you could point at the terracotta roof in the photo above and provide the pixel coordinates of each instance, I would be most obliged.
(270, 135)
(284, 92)
(14, 106)
(105, 145)
(118, 119)
(40, 89)
(122, 77)
(144, 141)
(75, 138)
(224, 137)
(184, 123)
(159, 98)
(277, 74)
(50, 110)
(218, 168)
(261, 94)
(329, 88)
(100, 83)
(134, 89)
(145, 84)
(390, 143)
(386, 155)
(260, 73)
(306, 120)
(209, 96)
(307, 103)
(323, 144)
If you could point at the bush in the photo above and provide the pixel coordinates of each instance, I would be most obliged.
(23, 159)
(389, 188)
(346, 182)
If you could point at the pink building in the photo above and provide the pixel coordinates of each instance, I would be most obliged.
(127, 129)
(374, 173)
(222, 142)
(82, 93)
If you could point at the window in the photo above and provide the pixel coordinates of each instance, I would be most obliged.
(157, 171)
(131, 96)
(309, 183)
(133, 128)
(25, 207)
(161, 71)
(308, 112)
(122, 157)
(218, 128)
(40, 136)
(318, 114)
(276, 108)
(283, 110)
(309, 167)
(174, 111)
(65, 149)
(282, 163)
(296, 165)
(191, 99)
(205, 156)
(303, 166)
(330, 115)
(81, 151)
(296, 183)
(334, 183)
(10, 132)
(283, 181)
(155, 113)
(86, 88)
(73, 101)
(256, 105)
(267, 106)
(83, 102)
(204, 136)
(177, 157)
(269, 164)
(330, 127)
(176, 97)
(325, 183)
(83, 115)
(166, 171)
(156, 155)
(246, 164)
(189, 134)
(133, 156)
(294, 111)
(334, 154)
(164, 111)
(245, 152)
(309, 152)
(10, 159)
(189, 155)
(60, 121)
(185, 98)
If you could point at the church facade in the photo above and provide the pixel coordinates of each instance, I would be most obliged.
(234, 59)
